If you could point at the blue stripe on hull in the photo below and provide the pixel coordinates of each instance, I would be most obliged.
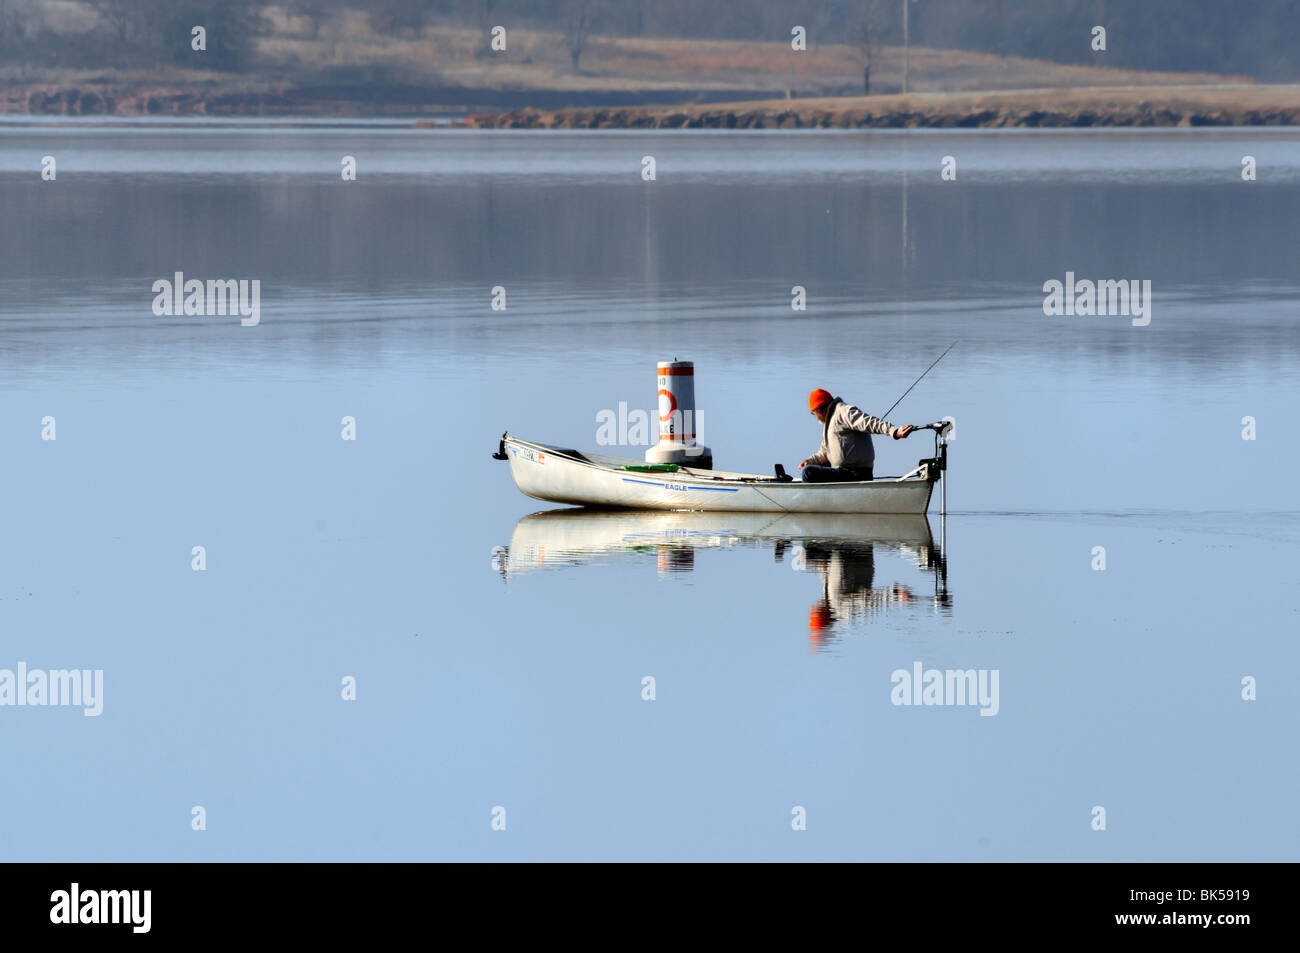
(664, 486)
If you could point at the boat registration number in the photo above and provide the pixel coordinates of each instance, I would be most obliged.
(531, 455)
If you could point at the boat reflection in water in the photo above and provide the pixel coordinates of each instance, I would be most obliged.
(854, 554)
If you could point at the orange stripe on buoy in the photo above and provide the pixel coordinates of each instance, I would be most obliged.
(675, 371)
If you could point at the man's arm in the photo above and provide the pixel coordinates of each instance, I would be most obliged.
(855, 419)
(818, 459)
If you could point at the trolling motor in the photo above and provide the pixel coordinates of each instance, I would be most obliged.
(936, 465)
(501, 448)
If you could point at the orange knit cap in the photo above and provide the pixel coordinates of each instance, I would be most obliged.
(817, 398)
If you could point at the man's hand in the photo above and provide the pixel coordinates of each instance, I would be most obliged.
(803, 463)
(903, 431)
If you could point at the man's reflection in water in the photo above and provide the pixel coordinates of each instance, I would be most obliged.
(849, 593)
(840, 548)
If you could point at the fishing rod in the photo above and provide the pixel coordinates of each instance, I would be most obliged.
(885, 415)
(940, 459)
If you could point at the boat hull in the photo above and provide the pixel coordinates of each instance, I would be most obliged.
(565, 476)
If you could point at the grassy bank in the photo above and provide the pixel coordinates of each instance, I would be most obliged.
(343, 67)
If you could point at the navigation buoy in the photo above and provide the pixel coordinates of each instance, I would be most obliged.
(678, 420)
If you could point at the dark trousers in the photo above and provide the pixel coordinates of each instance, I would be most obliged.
(816, 474)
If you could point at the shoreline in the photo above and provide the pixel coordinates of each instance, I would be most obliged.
(335, 101)
(1138, 106)
(1244, 105)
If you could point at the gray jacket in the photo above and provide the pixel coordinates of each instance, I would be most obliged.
(846, 437)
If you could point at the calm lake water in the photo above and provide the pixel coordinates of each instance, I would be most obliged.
(499, 656)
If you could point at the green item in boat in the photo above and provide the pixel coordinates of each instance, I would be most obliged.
(653, 468)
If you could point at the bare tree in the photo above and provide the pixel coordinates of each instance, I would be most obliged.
(315, 11)
(119, 14)
(13, 21)
(485, 48)
(577, 26)
(865, 25)
(395, 16)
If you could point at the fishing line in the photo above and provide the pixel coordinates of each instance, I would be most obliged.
(885, 415)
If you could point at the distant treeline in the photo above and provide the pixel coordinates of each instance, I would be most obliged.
(130, 34)
(1259, 38)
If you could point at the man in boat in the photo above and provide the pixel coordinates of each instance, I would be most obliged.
(846, 453)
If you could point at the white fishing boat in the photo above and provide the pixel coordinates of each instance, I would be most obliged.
(678, 473)
(564, 475)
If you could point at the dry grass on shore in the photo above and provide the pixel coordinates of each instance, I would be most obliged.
(540, 60)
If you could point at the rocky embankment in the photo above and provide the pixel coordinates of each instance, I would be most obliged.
(356, 99)
(129, 100)
(1103, 106)
(1237, 105)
